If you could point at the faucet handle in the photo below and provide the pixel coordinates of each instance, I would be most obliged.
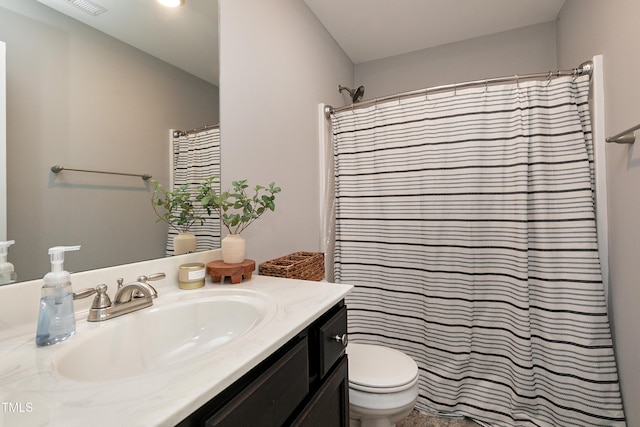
(151, 277)
(87, 292)
(101, 300)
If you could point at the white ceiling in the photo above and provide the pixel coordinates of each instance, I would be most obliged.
(187, 36)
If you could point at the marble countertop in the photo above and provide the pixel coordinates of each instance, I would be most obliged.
(34, 393)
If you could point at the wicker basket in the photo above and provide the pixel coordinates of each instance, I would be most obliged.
(298, 265)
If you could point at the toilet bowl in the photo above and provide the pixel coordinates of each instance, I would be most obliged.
(383, 385)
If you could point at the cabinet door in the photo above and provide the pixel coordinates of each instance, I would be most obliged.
(329, 407)
(332, 340)
(272, 397)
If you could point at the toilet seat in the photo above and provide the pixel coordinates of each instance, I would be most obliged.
(377, 369)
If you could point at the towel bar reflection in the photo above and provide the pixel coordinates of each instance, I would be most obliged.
(58, 168)
(625, 137)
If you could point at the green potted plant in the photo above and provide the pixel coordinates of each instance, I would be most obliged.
(180, 212)
(237, 209)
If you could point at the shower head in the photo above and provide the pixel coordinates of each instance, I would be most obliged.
(356, 94)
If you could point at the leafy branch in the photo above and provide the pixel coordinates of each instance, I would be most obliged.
(237, 209)
(180, 211)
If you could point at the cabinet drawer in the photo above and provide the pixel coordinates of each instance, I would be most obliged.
(331, 344)
(272, 397)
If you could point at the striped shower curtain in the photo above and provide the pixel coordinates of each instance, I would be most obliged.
(196, 155)
(466, 221)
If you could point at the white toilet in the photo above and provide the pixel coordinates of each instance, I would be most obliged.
(383, 385)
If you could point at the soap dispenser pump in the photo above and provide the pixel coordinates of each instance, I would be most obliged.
(56, 321)
(7, 273)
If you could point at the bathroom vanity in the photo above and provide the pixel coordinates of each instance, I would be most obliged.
(276, 355)
(304, 383)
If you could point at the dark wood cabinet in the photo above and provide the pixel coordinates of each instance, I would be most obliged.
(330, 404)
(271, 398)
(304, 383)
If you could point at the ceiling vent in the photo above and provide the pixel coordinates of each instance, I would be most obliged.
(88, 7)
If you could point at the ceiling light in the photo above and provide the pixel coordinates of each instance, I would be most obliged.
(171, 3)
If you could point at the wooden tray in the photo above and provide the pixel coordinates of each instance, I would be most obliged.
(218, 270)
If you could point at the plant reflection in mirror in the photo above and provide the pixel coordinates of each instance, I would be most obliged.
(179, 205)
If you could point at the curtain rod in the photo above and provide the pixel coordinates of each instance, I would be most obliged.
(179, 133)
(584, 68)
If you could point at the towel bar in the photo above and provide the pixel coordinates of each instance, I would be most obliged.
(625, 137)
(58, 168)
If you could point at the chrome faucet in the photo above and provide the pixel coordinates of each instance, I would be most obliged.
(129, 297)
(143, 281)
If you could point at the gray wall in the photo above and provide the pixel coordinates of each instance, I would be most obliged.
(81, 99)
(525, 50)
(277, 63)
(587, 28)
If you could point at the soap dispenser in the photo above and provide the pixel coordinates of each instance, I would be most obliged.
(7, 274)
(56, 321)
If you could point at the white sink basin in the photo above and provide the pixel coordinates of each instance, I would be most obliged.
(161, 335)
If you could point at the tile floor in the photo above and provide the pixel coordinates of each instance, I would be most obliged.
(416, 419)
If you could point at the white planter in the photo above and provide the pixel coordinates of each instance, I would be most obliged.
(234, 249)
(184, 243)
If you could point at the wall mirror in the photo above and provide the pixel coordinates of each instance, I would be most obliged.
(91, 98)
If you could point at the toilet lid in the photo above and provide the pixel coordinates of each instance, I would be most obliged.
(374, 366)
